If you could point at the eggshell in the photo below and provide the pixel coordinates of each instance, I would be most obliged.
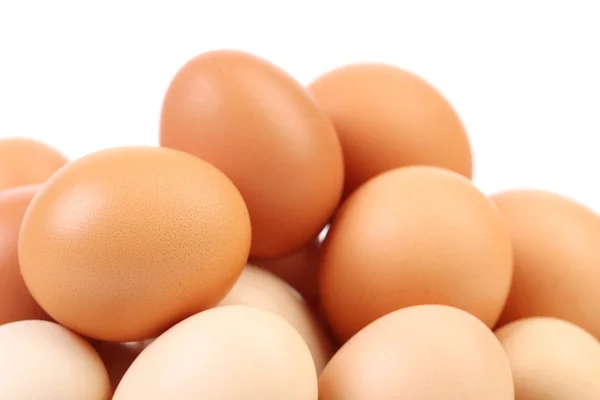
(118, 357)
(16, 302)
(425, 352)
(226, 353)
(410, 236)
(41, 360)
(263, 130)
(387, 118)
(556, 245)
(123, 243)
(260, 288)
(552, 359)
(299, 269)
(25, 161)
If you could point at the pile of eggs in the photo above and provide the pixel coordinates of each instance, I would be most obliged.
(284, 242)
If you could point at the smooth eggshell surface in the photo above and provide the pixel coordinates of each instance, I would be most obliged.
(552, 359)
(226, 353)
(410, 236)
(260, 288)
(123, 243)
(25, 161)
(387, 118)
(16, 302)
(556, 244)
(41, 360)
(426, 352)
(263, 130)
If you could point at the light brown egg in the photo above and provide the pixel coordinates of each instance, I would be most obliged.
(426, 352)
(25, 161)
(226, 353)
(556, 244)
(552, 359)
(123, 243)
(262, 129)
(387, 118)
(410, 236)
(118, 357)
(16, 302)
(299, 269)
(260, 288)
(41, 360)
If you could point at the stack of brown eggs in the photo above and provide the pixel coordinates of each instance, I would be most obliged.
(291, 243)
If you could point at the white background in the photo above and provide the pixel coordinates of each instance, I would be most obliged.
(523, 75)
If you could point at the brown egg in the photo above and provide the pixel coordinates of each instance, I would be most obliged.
(16, 302)
(123, 243)
(426, 352)
(552, 359)
(410, 236)
(387, 118)
(260, 288)
(118, 357)
(299, 269)
(556, 244)
(25, 161)
(41, 360)
(262, 129)
(233, 352)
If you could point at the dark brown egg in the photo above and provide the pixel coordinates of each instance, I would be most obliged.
(263, 130)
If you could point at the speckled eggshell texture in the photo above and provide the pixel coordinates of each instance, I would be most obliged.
(123, 243)
(260, 127)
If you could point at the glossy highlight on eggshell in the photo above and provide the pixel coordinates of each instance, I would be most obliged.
(263, 130)
(123, 243)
